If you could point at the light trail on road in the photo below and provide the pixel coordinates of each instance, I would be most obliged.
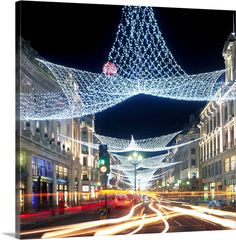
(66, 229)
(223, 222)
(140, 227)
(214, 211)
(137, 219)
(112, 230)
(161, 216)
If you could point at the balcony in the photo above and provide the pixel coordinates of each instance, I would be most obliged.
(45, 142)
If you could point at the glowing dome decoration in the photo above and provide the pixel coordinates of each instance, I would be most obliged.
(145, 169)
(109, 69)
(139, 62)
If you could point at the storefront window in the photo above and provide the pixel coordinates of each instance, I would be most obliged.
(41, 167)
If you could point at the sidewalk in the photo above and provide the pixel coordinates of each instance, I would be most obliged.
(56, 213)
(44, 217)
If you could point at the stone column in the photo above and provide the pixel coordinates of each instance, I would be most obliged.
(29, 186)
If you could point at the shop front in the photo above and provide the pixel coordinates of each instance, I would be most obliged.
(62, 185)
(62, 193)
(230, 189)
(42, 184)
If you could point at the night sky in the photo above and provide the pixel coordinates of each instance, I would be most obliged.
(81, 35)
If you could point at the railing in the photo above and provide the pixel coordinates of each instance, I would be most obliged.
(46, 143)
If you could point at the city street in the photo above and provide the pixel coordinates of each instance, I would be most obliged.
(124, 129)
(152, 216)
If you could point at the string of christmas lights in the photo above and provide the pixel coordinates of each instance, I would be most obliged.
(149, 144)
(139, 62)
(151, 160)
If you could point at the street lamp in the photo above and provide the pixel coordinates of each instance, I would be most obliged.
(135, 159)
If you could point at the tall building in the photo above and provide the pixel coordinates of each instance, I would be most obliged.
(51, 169)
(218, 131)
(185, 175)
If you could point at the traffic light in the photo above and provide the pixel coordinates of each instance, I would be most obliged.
(104, 159)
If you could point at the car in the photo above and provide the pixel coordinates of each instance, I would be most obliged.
(121, 201)
(218, 204)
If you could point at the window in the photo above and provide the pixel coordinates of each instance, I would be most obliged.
(218, 168)
(231, 107)
(232, 136)
(214, 145)
(233, 163)
(218, 119)
(204, 172)
(47, 126)
(68, 129)
(84, 149)
(193, 150)
(226, 113)
(41, 167)
(193, 162)
(58, 127)
(207, 127)
(61, 172)
(194, 175)
(185, 165)
(218, 143)
(85, 161)
(85, 177)
(210, 125)
(212, 170)
(226, 139)
(227, 166)
(208, 171)
(214, 121)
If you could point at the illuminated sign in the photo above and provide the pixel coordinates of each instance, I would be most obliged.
(85, 188)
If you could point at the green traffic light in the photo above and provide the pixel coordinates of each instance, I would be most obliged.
(101, 162)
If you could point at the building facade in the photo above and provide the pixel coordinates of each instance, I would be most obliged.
(218, 131)
(51, 169)
(184, 176)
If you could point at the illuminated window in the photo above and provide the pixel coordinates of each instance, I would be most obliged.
(41, 167)
(61, 172)
(233, 163)
(227, 165)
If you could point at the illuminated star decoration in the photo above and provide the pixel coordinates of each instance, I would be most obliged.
(139, 62)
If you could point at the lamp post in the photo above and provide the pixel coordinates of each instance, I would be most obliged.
(135, 159)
